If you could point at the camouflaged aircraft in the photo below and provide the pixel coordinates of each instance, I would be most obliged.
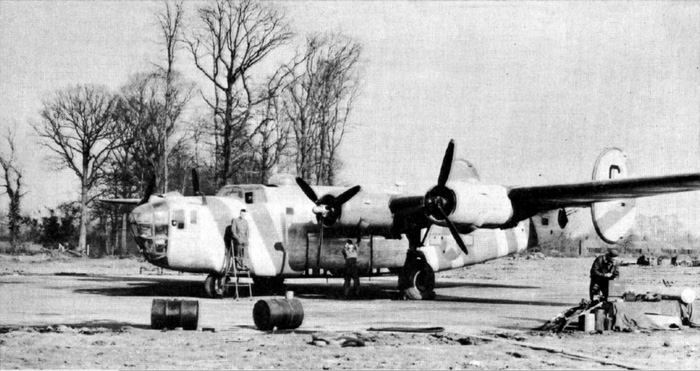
(298, 230)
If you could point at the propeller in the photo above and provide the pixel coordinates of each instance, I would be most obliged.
(440, 201)
(308, 191)
(195, 186)
(149, 190)
(195, 182)
(328, 207)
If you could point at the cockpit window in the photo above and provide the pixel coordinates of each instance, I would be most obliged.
(162, 230)
(231, 192)
(144, 230)
(160, 217)
(249, 193)
(143, 216)
(142, 221)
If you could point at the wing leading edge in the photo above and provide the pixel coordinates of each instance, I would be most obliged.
(528, 201)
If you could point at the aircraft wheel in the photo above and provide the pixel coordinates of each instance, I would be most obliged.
(421, 283)
(268, 285)
(215, 286)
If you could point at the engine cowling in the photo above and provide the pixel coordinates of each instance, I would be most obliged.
(471, 205)
(613, 219)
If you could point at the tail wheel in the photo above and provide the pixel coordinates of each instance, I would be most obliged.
(421, 283)
(215, 286)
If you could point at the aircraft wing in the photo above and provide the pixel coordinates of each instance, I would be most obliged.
(408, 212)
(528, 201)
(121, 201)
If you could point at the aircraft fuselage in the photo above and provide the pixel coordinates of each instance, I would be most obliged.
(187, 234)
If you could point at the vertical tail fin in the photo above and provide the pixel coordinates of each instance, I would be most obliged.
(613, 219)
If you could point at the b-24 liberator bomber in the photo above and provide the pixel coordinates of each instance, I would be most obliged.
(298, 230)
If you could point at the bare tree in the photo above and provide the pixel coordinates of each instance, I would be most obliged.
(176, 93)
(230, 38)
(11, 182)
(77, 126)
(270, 128)
(144, 109)
(123, 175)
(320, 102)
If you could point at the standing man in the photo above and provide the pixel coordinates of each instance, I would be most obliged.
(603, 270)
(351, 272)
(239, 234)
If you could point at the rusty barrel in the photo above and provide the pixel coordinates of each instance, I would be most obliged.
(279, 313)
(174, 313)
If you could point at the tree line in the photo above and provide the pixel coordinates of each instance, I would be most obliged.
(261, 116)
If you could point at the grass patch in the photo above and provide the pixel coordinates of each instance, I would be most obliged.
(22, 248)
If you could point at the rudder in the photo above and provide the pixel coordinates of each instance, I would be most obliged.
(612, 219)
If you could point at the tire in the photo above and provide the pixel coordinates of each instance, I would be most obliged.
(268, 285)
(420, 283)
(215, 286)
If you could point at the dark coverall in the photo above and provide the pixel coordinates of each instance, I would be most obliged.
(599, 283)
(351, 271)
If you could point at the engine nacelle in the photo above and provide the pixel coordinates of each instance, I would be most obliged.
(478, 205)
(367, 211)
(612, 219)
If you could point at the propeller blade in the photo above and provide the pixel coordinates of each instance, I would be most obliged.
(345, 196)
(149, 190)
(562, 218)
(195, 182)
(307, 190)
(446, 164)
(320, 240)
(453, 230)
(425, 236)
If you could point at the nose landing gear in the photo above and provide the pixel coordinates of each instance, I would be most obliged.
(215, 286)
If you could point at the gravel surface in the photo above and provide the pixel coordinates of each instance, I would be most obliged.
(59, 312)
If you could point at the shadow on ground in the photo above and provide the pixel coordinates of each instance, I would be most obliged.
(146, 286)
(332, 290)
(88, 327)
(500, 301)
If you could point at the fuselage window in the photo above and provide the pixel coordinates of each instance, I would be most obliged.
(290, 211)
(193, 217)
(249, 197)
(545, 221)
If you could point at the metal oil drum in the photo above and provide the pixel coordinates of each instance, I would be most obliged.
(171, 314)
(586, 322)
(279, 313)
(600, 320)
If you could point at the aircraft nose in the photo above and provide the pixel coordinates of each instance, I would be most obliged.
(149, 225)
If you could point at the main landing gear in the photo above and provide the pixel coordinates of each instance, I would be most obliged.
(417, 279)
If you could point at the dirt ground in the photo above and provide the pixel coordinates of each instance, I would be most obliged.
(78, 313)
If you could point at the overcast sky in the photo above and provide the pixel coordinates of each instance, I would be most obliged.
(531, 92)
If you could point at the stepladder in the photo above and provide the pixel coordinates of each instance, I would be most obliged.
(237, 270)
